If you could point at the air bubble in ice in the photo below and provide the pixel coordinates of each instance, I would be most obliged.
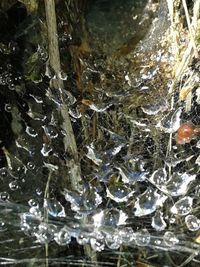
(178, 184)
(62, 237)
(158, 222)
(159, 177)
(170, 239)
(192, 223)
(119, 193)
(171, 122)
(142, 238)
(148, 202)
(54, 208)
(183, 206)
(8, 107)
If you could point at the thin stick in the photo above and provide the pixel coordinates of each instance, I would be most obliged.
(57, 84)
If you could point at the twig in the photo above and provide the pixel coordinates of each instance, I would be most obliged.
(56, 84)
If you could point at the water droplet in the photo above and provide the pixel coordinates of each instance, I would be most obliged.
(30, 165)
(38, 99)
(159, 177)
(14, 185)
(112, 240)
(113, 217)
(198, 160)
(83, 238)
(2, 226)
(85, 203)
(158, 222)
(35, 211)
(50, 131)
(119, 193)
(170, 239)
(62, 237)
(126, 235)
(160, 105)
(75, 113)
(39, 191)
(3, 173)
(192, 223)
(4, 196)
(46, 150)
(97, 244)
(183, 206)
(171, 122)
(33, 203)
(8, 108)
(29, 223)
(45, 233)
(30, 131)
(62, 75)
(148, 202)
(92, 155)
(54, 208)
(142, 238)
